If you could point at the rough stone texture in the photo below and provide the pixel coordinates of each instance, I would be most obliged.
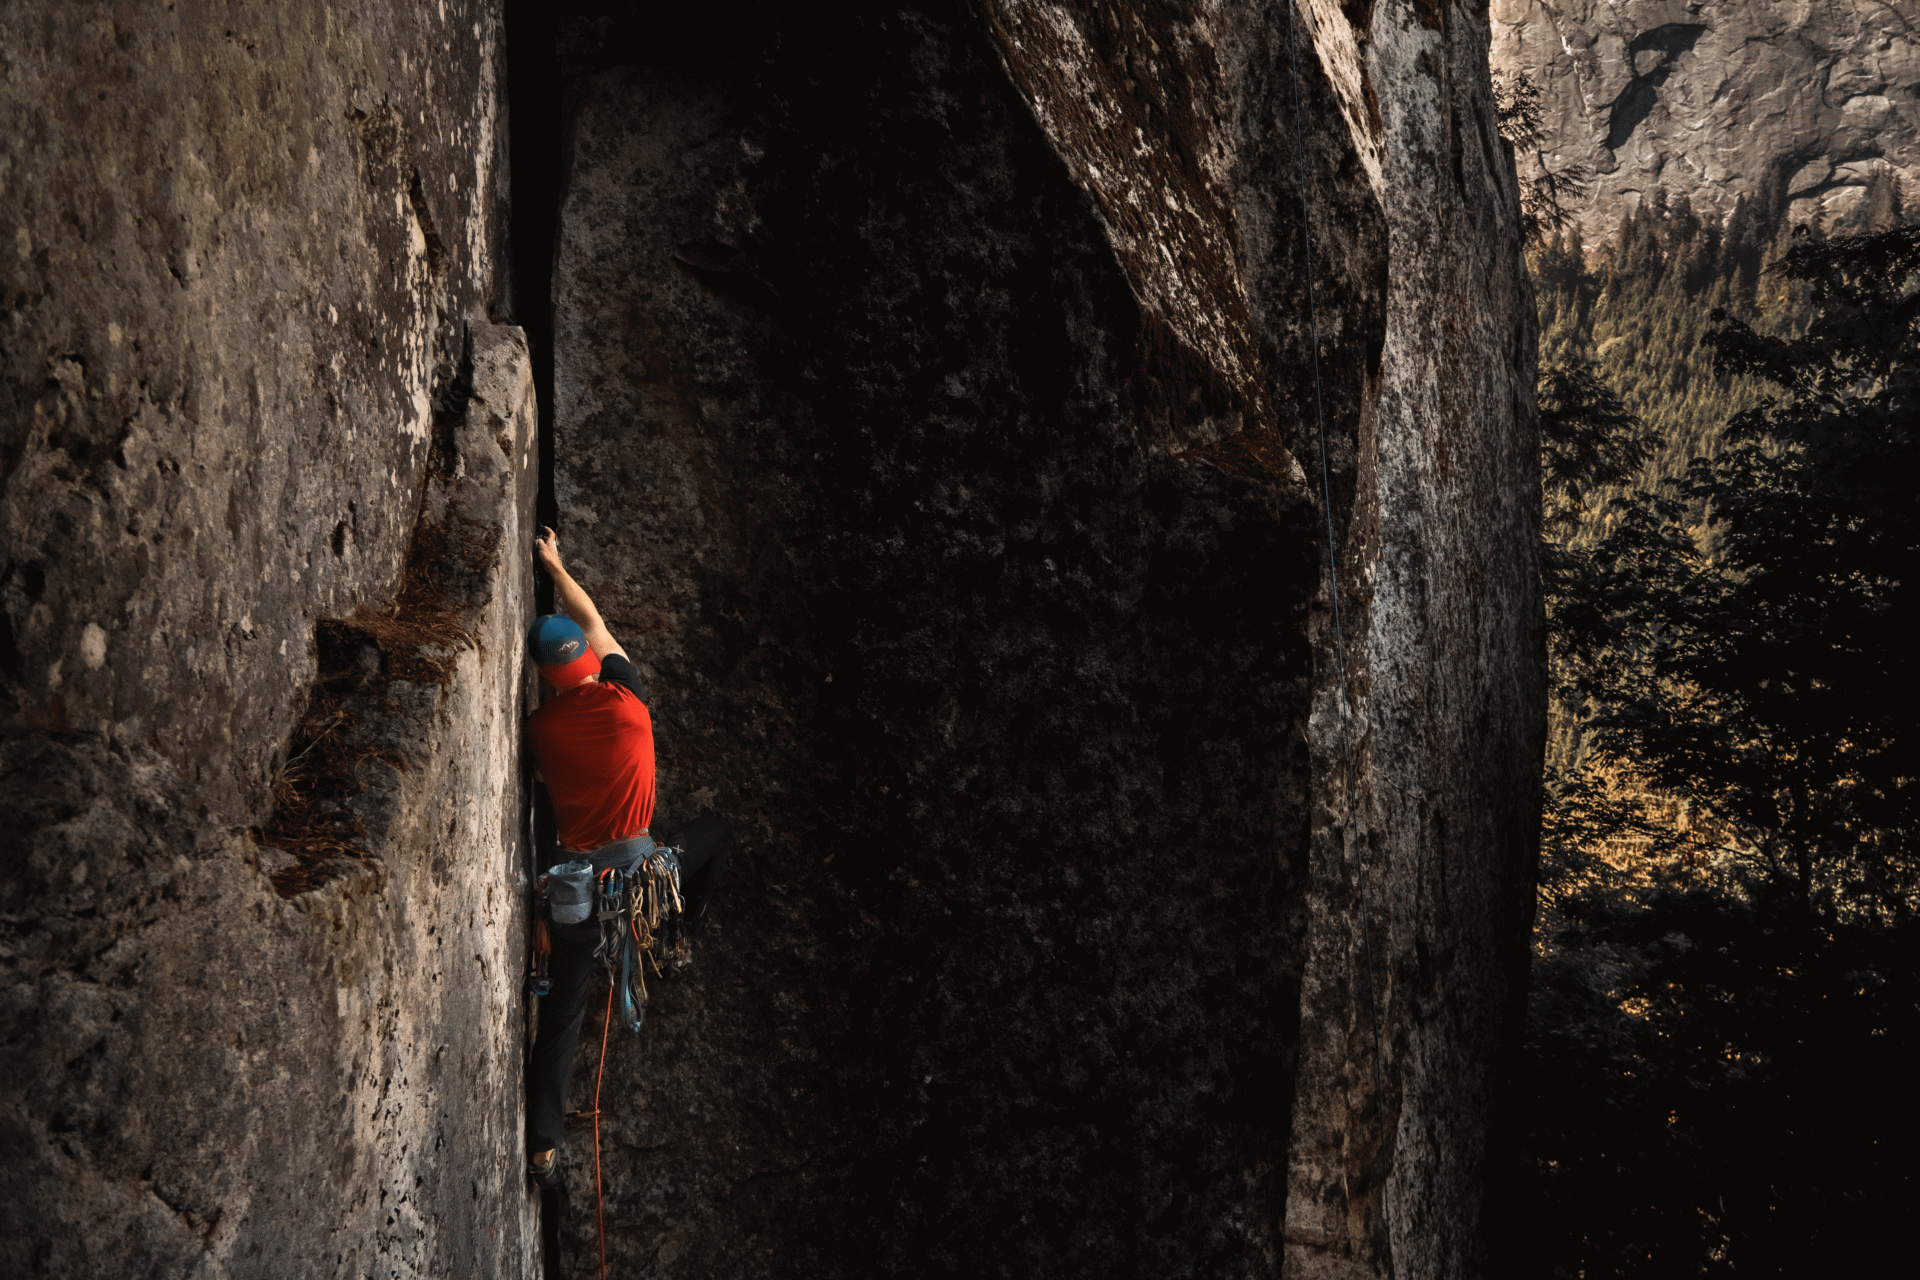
(1706, 97)
(246, 248)
(933, 388)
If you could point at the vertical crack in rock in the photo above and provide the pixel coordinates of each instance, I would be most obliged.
(436, 249)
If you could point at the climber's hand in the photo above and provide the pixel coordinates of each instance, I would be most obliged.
(546, 550)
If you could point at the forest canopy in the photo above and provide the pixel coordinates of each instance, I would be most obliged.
(1734, 633)
(1725, 1001)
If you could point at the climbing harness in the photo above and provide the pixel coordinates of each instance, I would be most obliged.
(632, 891)
(1354, 857)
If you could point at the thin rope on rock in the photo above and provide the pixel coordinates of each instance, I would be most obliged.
(599, 1195)
(1333, 574)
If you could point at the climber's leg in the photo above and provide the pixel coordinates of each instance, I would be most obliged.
(550, 1067)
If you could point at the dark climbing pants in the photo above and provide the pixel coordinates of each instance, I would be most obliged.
(703, 846)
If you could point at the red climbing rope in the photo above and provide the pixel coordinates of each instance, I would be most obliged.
(599, 1198)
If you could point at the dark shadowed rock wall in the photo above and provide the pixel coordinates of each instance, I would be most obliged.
(265, 455)
(935, 425)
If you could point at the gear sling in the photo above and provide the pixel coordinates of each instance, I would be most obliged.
(631, 888)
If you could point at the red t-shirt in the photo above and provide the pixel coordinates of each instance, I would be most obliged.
(595, 748)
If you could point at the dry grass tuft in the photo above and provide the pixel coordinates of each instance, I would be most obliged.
(313, 817)
(416, 641)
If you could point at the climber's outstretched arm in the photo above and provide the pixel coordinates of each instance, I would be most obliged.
(571, 600)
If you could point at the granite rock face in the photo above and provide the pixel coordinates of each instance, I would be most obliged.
(265, 459)
(935, 424)
(1706, 98)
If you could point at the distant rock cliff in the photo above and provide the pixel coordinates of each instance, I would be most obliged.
(1707, 98)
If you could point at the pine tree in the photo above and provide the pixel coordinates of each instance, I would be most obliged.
(1764, 676)
(1879, 207)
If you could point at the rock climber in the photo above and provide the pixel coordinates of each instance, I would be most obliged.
(593, 745)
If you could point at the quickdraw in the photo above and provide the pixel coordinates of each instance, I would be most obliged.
(642, 923)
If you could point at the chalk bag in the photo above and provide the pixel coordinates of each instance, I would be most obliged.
(570, 891)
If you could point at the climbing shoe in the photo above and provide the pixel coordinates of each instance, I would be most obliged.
(544, 1168)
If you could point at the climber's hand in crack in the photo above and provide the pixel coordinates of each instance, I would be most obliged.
(571, 599)
(546, 551)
